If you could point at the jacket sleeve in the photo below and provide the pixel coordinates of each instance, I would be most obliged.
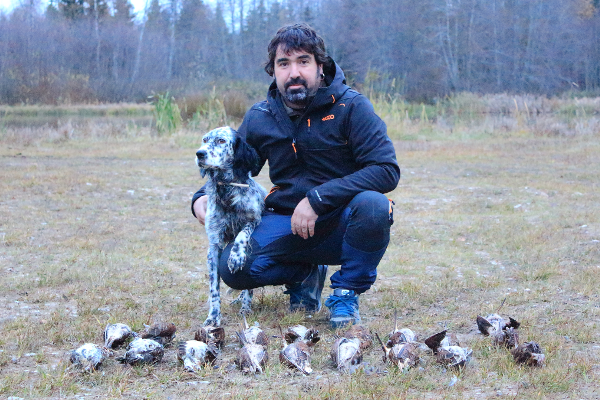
(196, 196)
(374, 153)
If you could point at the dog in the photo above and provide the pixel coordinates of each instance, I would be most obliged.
(235, 205)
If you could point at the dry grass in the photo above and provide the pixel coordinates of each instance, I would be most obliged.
(95, 227)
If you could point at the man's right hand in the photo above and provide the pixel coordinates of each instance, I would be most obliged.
(200, 207)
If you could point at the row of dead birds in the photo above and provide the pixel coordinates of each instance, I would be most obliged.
(401, 349)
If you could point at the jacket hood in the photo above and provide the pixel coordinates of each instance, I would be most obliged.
(335, 89)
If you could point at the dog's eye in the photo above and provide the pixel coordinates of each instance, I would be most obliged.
(221, 141)
(205, 140)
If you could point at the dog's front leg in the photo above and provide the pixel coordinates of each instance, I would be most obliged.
(214, 299)
(239, 251)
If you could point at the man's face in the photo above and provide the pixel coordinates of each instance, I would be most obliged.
(297, 75)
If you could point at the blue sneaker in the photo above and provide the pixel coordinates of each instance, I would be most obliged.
(306, 295)
(343, 306)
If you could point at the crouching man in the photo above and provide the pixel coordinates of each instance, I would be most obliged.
(330, 161)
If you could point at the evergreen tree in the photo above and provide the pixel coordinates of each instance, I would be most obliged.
(123, 11)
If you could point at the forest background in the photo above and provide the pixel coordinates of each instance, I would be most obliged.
(91, 51)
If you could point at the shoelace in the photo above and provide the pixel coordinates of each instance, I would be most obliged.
(341, 305)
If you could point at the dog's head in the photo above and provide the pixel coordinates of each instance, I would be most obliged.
(223, 149)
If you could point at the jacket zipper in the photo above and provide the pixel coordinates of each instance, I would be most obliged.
(294, 147)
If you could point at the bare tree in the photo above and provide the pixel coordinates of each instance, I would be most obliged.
(138, 53)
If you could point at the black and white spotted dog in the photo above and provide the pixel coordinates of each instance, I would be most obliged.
(235, 205)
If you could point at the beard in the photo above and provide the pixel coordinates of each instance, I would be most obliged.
(299, 96)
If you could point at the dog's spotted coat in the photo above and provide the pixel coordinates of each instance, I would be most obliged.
(235, 205)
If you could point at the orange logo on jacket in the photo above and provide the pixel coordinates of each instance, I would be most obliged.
(327, 118)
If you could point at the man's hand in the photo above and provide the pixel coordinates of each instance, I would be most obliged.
(200, 207)
(303, 219)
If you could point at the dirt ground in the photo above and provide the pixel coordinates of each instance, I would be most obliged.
(100, 231)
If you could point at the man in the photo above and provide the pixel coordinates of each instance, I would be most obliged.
(330, 161)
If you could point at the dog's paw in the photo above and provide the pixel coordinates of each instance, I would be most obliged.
(245, 309)
(237, 258)
(212, 321)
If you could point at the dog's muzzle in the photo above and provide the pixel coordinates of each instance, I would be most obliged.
(200, 157)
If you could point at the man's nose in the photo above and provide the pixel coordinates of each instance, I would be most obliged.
(294, 71)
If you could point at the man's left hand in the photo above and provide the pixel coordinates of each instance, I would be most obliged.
(303, 219)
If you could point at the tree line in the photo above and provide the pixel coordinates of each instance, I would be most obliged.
(97, 50)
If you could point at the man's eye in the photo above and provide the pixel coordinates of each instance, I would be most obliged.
(283, 64)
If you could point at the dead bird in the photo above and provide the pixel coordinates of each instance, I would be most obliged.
(296, 354)
(530, 354)
(494, 323)
(452, 356)
(403, 355)
(194, 354)
(117, 334)
(254, 334)
(346, 352)
(398, 336)
(508, 338)
(89, 356)
(502, 332)
(251, 357)
(160, 331)
(302, 333)
(143, 351)
(362, 333)
(211, 335)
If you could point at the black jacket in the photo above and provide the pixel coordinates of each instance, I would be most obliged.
(337, 149)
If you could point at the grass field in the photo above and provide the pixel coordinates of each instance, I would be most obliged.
(95, 228)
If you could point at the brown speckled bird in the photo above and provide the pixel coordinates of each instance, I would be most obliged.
(296, 355)
(89, 356)
(398, 336)
(362, 333)
(403, 355)
(254, 334)
(302, 333)
(446, 354)
(508, 338)
(251, 357)
(194, 354)
(494, 323)
(160, 331)
(117, 334)
(143, 351)
(502, 332)
(345, 353)
(530, 354)
(211, 335)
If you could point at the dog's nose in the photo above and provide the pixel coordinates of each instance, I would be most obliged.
(201, 155)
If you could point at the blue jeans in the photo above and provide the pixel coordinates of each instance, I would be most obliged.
(355, 237)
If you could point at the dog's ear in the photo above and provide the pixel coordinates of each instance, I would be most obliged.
(245, 159)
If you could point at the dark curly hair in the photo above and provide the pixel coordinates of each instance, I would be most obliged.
(297, 37)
